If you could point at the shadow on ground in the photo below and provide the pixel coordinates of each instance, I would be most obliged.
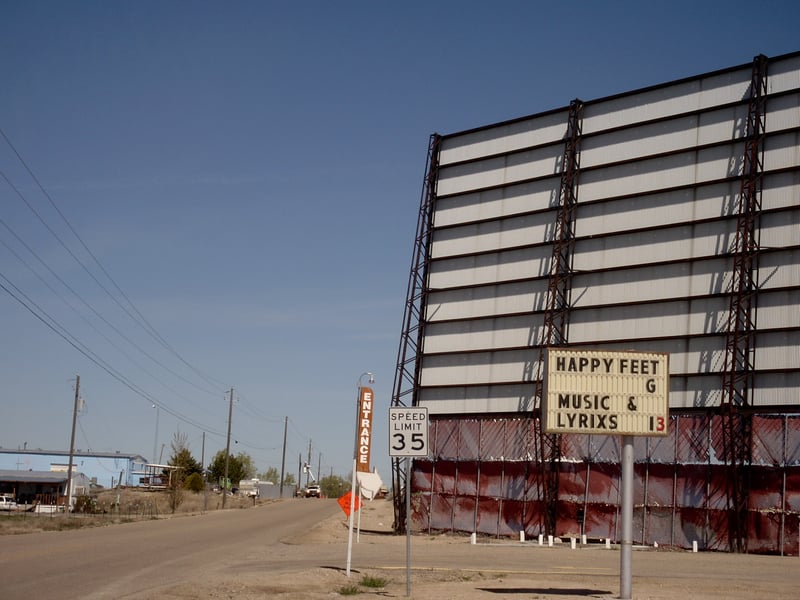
(547, 591)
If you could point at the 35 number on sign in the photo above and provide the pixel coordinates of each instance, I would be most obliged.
(408, 431)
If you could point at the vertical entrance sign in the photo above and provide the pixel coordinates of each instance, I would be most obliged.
(609, 393)
(364, 446)
(359, 455)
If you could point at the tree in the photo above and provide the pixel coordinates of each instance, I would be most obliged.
(240, 466)
(271, 475)
(182, 458)
(333, 486)
(194, 483)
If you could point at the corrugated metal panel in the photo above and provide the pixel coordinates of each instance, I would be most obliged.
(781, 151)
(501, 170)
(779, 269)
(504, 138)
(494, 203)
(491, 235)
(504, 332)
(664, 136)
(784, 75)
(778, 309)
(490, 268)
(646, 321)
(783, 113)
(776, 389)
(683, 97)
(676, 206)
(778, 350)
(663, 172)
(475, 368)
(486, 301)
(680, 280)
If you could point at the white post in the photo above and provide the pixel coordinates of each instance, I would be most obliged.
(521, 536)
(352, 510)
(541, 539)
(572, 543)
(626, 543)
(473, 538)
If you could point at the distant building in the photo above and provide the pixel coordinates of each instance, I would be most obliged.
(104, 469)
(42, 488)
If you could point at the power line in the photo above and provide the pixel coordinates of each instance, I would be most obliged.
(138, 318)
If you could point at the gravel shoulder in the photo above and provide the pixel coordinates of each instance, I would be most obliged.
(313, 565)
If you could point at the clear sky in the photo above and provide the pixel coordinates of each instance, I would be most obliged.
(211, 195)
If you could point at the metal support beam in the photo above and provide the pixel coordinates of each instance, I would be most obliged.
(557, 308)
(738, 370)
(409, 354)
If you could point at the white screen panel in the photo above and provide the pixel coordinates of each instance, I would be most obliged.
(657, 192)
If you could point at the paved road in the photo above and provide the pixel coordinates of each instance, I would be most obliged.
(248, 550)
(125, 560)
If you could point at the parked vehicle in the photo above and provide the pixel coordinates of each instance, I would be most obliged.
(8, 502)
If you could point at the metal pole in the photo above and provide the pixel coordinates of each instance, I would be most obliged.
(353, 479)
(408, 526)
(203, 465)
(626, 544)
(350, 516)
(72, 441)
(227, 451)
(283, 457)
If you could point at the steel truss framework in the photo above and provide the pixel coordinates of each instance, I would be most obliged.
(535, 482)
(409, 353)
(738, 372)
(556, 316)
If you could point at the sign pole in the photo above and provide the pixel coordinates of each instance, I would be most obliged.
(408, 526)
(626, 545)
(408, 436)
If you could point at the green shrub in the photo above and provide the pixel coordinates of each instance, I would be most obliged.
(373, 582)
(194, 483)
(349, 590)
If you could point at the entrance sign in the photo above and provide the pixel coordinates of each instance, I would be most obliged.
(364, 443)
(605, 392)
(408, 431)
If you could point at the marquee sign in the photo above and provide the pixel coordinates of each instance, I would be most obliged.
(603, 392)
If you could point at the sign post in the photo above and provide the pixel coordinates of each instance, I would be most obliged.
(609, 393)
(408, 437)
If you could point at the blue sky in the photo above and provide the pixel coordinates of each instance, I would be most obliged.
(248, 174)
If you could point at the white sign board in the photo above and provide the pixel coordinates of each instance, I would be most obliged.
(607, 393)
(408, 431)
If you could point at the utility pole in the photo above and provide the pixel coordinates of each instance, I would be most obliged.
(299, 471)
(72, 441)
(283, 456)
(203, 465)
(308, 463)
(227, 451)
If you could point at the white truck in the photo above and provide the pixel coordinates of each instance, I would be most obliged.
(8, 502)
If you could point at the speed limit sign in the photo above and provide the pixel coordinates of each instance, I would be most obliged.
(408, 431)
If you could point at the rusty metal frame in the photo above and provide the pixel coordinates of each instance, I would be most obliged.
(738, 370)
(409, 353)
(557, 309)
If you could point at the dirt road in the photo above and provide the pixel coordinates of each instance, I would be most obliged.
(296, 549)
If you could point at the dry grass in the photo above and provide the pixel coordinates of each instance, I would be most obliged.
(121, 506)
